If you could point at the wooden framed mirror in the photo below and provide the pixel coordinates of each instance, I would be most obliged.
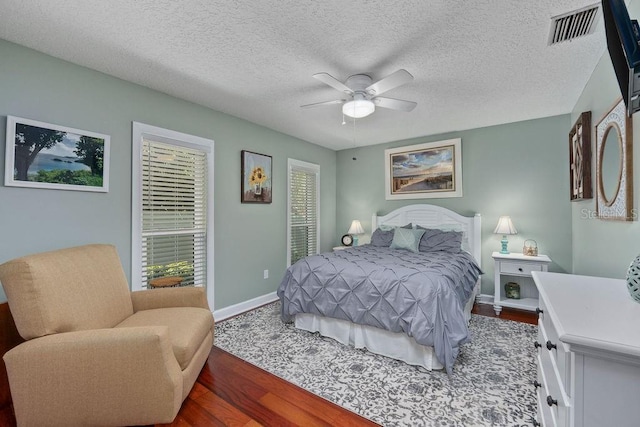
(614, 165)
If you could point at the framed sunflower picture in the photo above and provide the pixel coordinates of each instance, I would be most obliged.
(256, 177)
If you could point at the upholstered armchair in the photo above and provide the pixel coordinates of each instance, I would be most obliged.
(96, 353)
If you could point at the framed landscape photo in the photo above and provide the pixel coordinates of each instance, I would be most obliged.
(256, 177)
(42, 155)
(430, 170)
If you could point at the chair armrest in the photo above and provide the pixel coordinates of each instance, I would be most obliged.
(119, 376)
(187, 296)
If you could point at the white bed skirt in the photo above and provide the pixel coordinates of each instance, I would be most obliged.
(396, 345)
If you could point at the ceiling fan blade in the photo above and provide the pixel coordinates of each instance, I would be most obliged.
(392, 81)
(333, 82)
(394, 104)
(321, 104)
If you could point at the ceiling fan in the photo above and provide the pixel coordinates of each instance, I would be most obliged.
(364, 94)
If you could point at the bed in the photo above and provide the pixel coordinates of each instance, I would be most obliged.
(413, 307)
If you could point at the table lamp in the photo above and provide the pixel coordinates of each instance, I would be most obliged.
(354, 230)
(505, 227)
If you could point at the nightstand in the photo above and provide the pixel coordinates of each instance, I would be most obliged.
(339, 248)
(516, 267)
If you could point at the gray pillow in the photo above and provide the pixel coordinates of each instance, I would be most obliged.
(408, 239)
(438, 240)
(383, 238)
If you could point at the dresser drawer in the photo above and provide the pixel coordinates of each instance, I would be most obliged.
(558, 350)
(519, 268)
(545, 416)
(552, 385)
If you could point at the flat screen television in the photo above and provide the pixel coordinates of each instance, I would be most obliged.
(623, 43)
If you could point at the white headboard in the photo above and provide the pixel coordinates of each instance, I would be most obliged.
(432, 216)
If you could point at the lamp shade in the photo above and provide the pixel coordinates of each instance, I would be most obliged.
(356, 227)
(505, 226)
(358, 108)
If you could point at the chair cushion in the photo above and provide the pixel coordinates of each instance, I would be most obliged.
(67, 290)
(188, 327)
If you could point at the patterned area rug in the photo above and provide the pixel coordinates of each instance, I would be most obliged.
(490, 385)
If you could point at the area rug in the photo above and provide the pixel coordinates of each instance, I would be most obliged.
(490, 384)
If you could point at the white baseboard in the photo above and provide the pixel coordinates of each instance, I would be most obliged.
(241, 307)
(484, 299)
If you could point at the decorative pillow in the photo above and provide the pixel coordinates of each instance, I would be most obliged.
(383, 236)
(438, 240)
(404, 238)
(456, 227)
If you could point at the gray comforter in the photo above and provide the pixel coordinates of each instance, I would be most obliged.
(421, 294)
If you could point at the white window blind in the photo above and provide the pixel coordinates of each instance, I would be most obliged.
(303, 230)
(174, 213)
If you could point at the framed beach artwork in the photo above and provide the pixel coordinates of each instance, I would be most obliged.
(256, 177)
(422, 171)
(42, 155)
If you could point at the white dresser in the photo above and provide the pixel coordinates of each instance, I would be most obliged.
(588, 352)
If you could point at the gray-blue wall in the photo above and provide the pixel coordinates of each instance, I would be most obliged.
(249, 238)
(517, 169)
(520, 169)
(604, 248)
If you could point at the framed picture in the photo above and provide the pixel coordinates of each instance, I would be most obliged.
(580, 158)
(42, 155)
(423, 171)
(256, 177)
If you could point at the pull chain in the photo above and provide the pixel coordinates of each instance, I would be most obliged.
(354, 132)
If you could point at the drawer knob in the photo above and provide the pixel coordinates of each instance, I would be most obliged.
(537, 344)
(539, 311)
(536, 384)
(551, 401)
(551, 345)
(520, 269)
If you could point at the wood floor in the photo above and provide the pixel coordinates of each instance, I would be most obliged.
(231, 392)
(507, 313)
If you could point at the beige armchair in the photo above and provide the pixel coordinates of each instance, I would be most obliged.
(96, 353)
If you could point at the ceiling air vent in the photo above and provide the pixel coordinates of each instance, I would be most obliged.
(574, 24)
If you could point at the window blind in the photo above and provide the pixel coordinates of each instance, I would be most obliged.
(174, 201)
(303, 213)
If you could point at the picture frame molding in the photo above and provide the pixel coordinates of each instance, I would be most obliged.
(456, 143)
(9, 179)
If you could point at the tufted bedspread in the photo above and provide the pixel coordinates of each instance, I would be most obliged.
(421, 294)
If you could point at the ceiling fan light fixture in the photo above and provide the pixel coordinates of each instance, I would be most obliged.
(358, 108)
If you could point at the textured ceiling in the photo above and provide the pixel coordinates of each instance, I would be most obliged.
(475, 63)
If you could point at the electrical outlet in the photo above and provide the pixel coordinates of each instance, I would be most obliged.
(266, 274)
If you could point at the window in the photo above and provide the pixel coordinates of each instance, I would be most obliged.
(303, 219)
(172, 207)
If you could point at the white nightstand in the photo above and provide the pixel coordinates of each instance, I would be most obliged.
(516, 267)
(339, 248)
